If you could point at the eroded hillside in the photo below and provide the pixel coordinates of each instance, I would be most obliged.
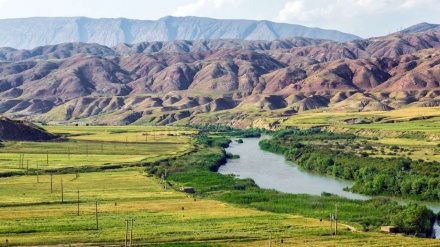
(164, 82)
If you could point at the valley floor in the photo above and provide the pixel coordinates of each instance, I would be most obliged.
(41, 209)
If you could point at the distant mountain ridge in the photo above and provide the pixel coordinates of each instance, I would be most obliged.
(28, 33)
(421, 27)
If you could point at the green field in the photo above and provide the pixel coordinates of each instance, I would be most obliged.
(35, 211)
(420, 119)
(96, 146)
(31, 215)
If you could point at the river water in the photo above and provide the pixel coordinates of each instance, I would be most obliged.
(272, 171)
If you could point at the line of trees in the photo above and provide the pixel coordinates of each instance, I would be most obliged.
(373, 176)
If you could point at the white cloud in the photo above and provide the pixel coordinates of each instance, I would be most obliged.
(362, 17)
(410, 4)
(201, 6)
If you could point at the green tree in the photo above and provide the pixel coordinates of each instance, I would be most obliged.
(414, 219)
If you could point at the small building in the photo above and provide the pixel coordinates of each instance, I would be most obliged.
(389, 229)
(189, 190)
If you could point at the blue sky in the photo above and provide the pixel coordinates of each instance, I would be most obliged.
(366, 18)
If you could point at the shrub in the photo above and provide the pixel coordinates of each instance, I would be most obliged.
(368, 147)
(394, 147)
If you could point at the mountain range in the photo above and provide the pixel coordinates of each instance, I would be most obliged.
(27, 33)
(180, 81)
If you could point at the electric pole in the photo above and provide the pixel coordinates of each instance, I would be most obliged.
(331, 224)
(78, 203)
(131, 233)
(126, 232)
(96, 215)
(336, 220)
(62, 191)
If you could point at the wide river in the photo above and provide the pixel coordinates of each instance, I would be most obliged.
(272, 171)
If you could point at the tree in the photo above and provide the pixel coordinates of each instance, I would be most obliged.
(403, 165)
(414, 219)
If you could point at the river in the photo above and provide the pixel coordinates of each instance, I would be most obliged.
(272, 171)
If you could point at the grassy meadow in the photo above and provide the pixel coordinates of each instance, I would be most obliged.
(96, 146)
(31, 215)
(420, 119)
(43, 210)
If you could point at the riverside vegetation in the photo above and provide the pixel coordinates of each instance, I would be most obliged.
(400, 177)
(225, 211)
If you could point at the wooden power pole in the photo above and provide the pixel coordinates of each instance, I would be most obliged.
(77, 213)
(38, 177)
(62, 191)
(126, 232)
(336, 220)
(96, 215)
(131, 233)
(331, 224)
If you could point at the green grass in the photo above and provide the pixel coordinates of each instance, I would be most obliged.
(96, 146)
(408, 119)
(31, 215)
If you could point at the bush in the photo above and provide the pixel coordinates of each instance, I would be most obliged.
(368, 147)
(394, 147)
(414, 219)
(232, 156)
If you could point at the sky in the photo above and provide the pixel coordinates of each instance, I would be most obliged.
(365, 18)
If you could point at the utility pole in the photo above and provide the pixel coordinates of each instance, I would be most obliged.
(126, 232)
(47, 157)
(164, 180)
(131, 233)
(96, 215)
(336, 220)
(78, 203)
(51, 183)
(331, 224)
(62, 191)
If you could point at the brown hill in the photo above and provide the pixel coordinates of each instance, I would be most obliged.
(161, 82)
(11, 130)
